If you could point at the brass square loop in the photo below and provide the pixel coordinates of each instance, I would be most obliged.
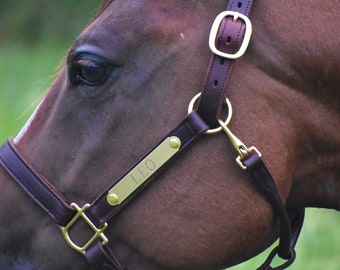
(98, 232)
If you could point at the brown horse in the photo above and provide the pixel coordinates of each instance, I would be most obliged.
(127, 82)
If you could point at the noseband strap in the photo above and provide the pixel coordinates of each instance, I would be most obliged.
(231, 32)
(100, 211)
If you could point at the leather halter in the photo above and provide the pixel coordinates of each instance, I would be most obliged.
(228, 43)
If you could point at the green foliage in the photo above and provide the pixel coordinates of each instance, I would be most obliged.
(25, 74)
(31, 21)
(317, 248)
(34, 37)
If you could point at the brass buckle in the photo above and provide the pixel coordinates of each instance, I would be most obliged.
(216, 26)
(99, 233)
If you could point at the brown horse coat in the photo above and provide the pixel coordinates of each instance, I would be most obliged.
(203, 212)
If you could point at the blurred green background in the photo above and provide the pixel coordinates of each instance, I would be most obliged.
(34, 38)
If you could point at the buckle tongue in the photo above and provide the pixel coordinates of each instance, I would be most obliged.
(216, 26)
(99, 232)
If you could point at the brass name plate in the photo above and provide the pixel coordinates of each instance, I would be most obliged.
(143, 170)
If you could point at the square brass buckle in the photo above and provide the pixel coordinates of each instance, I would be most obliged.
(216, 26)
(98, 233)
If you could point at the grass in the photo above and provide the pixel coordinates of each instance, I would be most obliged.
(318, 246)
(25, 75)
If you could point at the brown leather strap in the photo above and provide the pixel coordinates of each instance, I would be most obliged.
(39, 189)
(296, 224)
(289, 230)
(229, 40)
(266, 184)
(102, 258)
(188, 130)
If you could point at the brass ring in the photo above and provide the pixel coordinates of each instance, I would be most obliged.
(227, 121)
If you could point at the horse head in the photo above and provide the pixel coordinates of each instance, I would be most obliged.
(128, 80)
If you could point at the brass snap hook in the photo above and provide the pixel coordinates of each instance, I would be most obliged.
(242, 150)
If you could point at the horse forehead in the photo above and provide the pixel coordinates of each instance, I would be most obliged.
(144, 17)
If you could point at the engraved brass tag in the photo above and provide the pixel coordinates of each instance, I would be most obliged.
(143, 170)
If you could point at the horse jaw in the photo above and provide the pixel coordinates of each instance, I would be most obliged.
(301, 70)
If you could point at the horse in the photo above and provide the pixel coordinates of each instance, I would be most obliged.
(126, 82)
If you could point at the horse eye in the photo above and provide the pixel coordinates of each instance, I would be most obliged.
(89, 70)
